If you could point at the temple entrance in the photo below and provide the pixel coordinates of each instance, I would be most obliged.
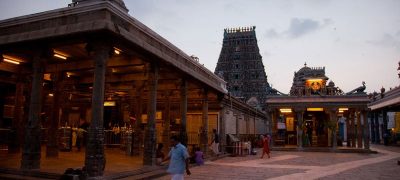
(315, 130)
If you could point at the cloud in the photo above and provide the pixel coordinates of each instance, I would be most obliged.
(300, 27)
(387, 40)
(271, 33)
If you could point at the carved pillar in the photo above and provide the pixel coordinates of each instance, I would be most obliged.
(377, 134)
(149, 155)
(17, 128)
(31, 150)
(183, 107)
(333, 125)
(366, 129)
(204, 136)
(299, 114)
(359, 130)
(52, 145)
(167, 119)
(95, 160)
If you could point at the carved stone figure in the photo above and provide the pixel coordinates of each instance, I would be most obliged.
(359, 90)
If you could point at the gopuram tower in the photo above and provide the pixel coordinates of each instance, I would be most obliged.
(240, 65)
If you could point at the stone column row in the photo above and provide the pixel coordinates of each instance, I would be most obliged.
(357, 132)
(95, 160)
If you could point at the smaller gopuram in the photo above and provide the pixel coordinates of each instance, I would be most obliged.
(317, 113)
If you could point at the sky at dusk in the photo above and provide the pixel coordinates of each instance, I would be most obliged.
(357, 40)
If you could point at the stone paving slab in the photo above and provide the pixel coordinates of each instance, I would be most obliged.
(384, 170)
(304, 165)
(323, 159)
(214, 172)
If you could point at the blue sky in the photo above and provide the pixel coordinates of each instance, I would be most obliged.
(357, 40)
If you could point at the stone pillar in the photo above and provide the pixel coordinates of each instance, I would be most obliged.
(359, 130)
(377, 134)
(184, 100)
(167, 119)
(17, 128)
(333, 126)
(237, 124)
(138, 137)
(353, 129)
(95, 160)
(204, 134)
(247, 121)
(273, 115)
(222, 127)
(52, 145)
(385, 131)
(348, 129)
(366, 129)
(254, 125)
(299, 114)
(150, 138)
(31, 153)
(372, 126)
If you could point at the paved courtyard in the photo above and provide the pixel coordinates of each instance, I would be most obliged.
(304, 165)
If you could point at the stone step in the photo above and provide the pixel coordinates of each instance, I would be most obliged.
(8, 173)
(17, 177)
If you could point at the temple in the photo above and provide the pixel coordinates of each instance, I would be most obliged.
(317, 113)
(91, 76)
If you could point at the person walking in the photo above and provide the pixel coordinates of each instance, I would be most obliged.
(179, 160)
(215, 142)
(265, 142)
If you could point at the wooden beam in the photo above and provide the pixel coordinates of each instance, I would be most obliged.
(88, 64)
(12, 67)
(110, 78)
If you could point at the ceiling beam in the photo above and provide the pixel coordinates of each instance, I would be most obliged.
(89, 64)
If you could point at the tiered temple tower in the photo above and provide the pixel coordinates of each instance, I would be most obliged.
(240, 65)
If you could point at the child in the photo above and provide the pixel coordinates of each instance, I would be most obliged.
(198, 156)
